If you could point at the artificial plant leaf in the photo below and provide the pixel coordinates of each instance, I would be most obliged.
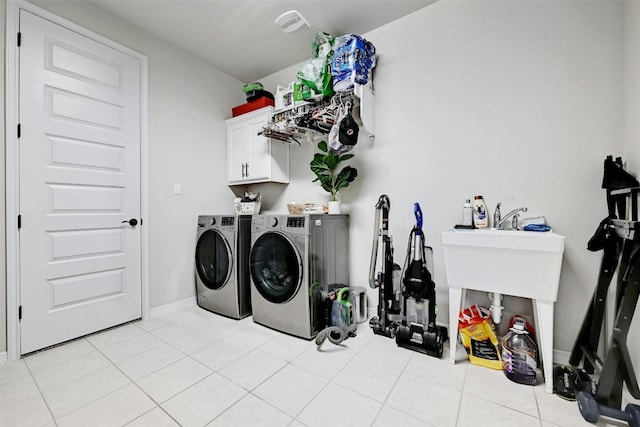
(331, 160)
(325, 182)
(318, 165)
(346, 176)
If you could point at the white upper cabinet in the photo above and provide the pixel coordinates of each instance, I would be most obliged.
(252, 158)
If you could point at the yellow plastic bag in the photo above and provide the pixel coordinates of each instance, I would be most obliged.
(479, 337)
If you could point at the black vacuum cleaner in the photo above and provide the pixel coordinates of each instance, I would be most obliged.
(418, 330)
(388, 279)
(414, 327)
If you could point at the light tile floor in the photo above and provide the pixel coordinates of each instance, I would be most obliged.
(195, 368)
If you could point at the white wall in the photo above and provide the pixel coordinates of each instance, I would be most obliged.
(3, 264)
(631, 145)
(517, 101)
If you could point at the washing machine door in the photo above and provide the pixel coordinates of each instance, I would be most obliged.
(214, 259)
(276, 267)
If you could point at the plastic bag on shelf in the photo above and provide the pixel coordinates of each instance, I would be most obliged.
(322, 45)
(352, 62)
(315, 78)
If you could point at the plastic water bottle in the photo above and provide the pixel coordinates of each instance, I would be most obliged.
(519, 355)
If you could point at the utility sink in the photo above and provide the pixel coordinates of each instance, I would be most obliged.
(520, 263)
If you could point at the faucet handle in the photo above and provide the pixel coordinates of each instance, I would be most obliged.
(497, 216)
(514, 221)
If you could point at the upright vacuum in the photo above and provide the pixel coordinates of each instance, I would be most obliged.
(418, 330)
(388, 279)
(406, 300)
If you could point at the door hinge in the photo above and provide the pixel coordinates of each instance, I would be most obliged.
(19, 222)
(19, 130)
(20, 313)
(19, 39)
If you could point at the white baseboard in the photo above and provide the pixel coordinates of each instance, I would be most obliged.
(3, 358)
(171, 307)
(561, 357)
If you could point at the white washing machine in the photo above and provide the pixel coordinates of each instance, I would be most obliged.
(222, 264)
(294, 259)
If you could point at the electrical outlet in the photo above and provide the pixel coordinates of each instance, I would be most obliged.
(177, 188)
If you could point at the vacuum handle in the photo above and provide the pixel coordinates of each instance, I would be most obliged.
(418, 214)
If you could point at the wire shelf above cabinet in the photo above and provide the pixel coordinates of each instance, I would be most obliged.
(313, 120)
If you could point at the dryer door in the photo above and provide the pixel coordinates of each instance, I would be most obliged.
(276, 267)
(214, 259)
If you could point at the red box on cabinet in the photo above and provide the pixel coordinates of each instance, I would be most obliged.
(253, 105)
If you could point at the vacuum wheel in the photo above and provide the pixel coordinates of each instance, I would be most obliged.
(439, 345)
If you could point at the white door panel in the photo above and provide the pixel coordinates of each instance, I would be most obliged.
(80, 261)
(76, 267)
(77, 153)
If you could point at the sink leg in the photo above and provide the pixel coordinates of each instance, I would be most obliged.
(456, 297)
(543, 312)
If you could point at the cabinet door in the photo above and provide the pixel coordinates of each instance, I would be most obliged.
(237, 142)
(258, 151)
(252, 158)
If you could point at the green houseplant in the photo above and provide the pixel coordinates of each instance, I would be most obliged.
(325, 166)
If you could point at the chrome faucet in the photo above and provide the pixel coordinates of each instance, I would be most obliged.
(514, 214)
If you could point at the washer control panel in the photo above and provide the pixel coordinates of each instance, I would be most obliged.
(296, 221)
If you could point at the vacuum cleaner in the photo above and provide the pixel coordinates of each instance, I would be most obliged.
(415, 293)
(418, 330)
(388, 279)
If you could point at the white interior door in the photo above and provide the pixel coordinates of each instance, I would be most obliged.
(79, 172)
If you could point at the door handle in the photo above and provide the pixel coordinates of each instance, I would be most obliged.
(132, 222)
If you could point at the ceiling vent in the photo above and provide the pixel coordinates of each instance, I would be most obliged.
(292, 22)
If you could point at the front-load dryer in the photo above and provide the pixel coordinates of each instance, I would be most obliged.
(222, 264)
(293, 260)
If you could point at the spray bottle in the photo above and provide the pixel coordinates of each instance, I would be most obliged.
(467, 214)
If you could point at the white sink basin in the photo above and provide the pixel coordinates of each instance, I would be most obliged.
(520, 263)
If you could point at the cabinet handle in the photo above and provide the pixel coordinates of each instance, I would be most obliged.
(243, 174)
(247, 168)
